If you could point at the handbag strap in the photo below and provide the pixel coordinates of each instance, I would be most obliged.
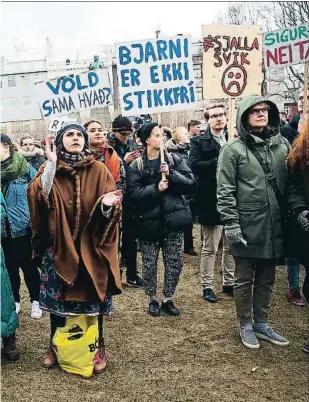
(270, 176)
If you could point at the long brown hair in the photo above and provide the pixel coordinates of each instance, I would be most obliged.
(299, 155)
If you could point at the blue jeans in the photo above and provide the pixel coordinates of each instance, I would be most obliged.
(293, 269)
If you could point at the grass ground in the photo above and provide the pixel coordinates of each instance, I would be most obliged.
(196, 357)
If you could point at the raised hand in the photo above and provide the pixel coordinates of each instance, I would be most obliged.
(50, 150)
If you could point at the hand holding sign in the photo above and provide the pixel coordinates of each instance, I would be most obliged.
(163, 186)
(50, 150)
(165, 169)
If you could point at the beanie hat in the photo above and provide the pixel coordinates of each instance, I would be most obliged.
(6, 138)
(69, 126)
(121, 123)
(144, 132)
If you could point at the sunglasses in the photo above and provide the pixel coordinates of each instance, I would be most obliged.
(123, 132)
(257, 111)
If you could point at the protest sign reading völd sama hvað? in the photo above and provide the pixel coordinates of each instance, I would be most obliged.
(74, 93)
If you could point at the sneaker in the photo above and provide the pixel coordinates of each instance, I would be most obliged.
(306, 348)
(169, 308)
(294, 297)
(17, 306)
(10, 350)
(249, 338)
(191, 252)
(137, 283)
(268, 334)
(36, 312)
(208, 295)
(228, 290)
(154, 308)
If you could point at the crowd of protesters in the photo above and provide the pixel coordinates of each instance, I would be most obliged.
(76, 210)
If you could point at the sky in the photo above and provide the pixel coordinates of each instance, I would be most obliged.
(78, 24)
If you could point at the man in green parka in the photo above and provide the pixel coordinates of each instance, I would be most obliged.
(9, 317)
(251, 214)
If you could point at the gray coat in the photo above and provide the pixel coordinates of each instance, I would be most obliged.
(244, 195)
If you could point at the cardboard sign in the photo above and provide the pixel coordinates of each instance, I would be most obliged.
(56, 124)
(155, 75)
(287, 46)
(232, 61)
(74, 93)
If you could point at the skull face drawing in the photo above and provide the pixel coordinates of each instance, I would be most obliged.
(234, 80)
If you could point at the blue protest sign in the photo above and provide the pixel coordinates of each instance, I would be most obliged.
(75, 93)
(155, 75)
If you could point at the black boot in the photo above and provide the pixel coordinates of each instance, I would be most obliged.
(169, 308)
(228, 290)
(154, 308)
(191, 252)
(208, 295)
(10, 350)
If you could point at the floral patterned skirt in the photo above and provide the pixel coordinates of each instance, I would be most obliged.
(51, 291)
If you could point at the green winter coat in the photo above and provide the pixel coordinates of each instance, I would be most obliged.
(9, 318)
(244, 195)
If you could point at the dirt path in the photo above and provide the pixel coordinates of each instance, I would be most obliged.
(196, 357)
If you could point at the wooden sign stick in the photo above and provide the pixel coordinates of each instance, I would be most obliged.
(161, 145)
(231, 118)
(306, 89)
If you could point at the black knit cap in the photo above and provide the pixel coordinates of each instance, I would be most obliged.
(121, 123)
(144, 132)
(6, 138)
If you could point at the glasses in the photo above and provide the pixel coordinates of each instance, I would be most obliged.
(217, 116)
(125, 133)
(257, 111)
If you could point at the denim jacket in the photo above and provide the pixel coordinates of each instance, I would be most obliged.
(17, 205)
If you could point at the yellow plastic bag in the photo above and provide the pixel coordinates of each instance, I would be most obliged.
(76, 344)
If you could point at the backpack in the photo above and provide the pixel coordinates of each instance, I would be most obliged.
(140, 163)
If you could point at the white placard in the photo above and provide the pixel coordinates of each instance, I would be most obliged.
(155, 75)
(286, 46)
(74, 93)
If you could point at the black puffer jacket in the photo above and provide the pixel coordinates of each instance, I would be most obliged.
(289, 131)
(158, 213)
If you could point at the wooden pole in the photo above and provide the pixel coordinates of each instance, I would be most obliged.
(161, 145)
(306, 89)
(231, 118)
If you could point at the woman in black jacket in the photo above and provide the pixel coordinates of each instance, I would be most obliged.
(161, 214)
(298, 200)
(180, 145)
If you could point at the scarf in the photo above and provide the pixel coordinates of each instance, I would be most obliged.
(106, 154)
(17, 168)
(71, 159)
(12, 168)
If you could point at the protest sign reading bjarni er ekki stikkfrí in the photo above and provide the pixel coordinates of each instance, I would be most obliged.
(286, 46)
(155, 75)
(74, 93)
